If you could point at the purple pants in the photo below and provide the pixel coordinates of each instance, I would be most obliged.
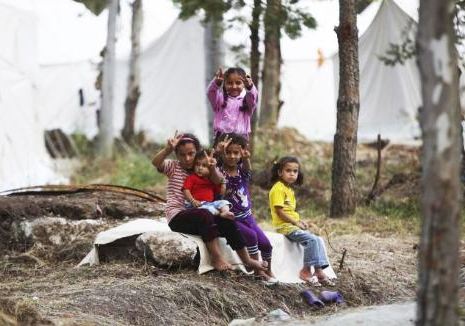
(255, 239)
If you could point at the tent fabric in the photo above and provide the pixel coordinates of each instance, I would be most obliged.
(24, 160)
(389, 96)
(173, 94)
(287, 256)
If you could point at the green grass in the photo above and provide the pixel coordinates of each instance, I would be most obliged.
(133, 169)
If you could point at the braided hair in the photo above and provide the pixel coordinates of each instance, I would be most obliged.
(240, 72)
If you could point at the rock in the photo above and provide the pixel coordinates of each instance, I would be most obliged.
(167, 248)
(59, 231)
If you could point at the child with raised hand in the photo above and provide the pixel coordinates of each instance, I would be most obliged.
(236, 168)
(194, 220)
(284, 174)
(233, 97)
(200, 191)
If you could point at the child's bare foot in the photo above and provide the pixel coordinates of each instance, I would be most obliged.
(256, 265)
(270, 273)
(221, 265)
(227, 214)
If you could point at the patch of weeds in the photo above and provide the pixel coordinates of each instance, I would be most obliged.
(135, 170)
(83, 145)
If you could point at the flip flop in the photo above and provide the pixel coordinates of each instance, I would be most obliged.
(312, 280)
(331, 296)
(312, 299)
(326, 282)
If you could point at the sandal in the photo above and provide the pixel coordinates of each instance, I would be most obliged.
(326, 282)
(312, 280)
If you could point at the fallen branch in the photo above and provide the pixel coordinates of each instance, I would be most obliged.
(341, 261)
(71, 189)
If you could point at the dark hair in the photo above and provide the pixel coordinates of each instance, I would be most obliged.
(237, 140)
(200, 155)
(240, 72)
(188, 139)
(279, 166)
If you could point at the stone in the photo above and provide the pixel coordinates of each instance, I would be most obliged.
(169, 249)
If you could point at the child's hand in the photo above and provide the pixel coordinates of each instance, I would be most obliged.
(172, 142)
(222, 145)
(195, 203)
(302, 225)
(210, 159)
(219, 77)
(248, 83)
(245, 154)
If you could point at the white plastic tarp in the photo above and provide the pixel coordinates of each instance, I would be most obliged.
(287, 256)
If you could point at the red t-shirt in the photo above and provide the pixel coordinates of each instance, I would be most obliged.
(202, 189)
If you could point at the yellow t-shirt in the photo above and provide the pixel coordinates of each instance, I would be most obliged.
(283, 196)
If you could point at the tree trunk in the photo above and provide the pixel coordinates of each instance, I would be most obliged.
(441, 193)
(133, 90)
(215, 53)
(105, 137)
(343, 197)
(270, 103)
(255, 60)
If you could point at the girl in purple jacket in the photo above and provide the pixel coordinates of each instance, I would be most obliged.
(233, 97)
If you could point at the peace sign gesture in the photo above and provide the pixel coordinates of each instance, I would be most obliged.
(172, 142)
(222, 145)
(248, 83)
(245, 153)
(210, 159)
(219, 77)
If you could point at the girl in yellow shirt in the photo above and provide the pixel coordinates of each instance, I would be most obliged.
(285, 173)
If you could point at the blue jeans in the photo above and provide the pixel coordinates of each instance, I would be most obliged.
(213, 207)
(314, 248)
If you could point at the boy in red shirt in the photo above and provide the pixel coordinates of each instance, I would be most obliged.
(200, 191)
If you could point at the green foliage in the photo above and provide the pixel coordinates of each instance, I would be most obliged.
(361, 5)
(213, 9)
(399, 53)
(96, 6)
(294, 18)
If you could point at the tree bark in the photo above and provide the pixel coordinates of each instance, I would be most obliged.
(255, 61)
(270, 103)
(214, 59)
(105, 137)
(343, 197)
(441, 194)
(133, 89)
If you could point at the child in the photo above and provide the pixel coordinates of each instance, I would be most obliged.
(285, 173)
(234, 103)
(236, 169)
(200, 191)
(197, 221)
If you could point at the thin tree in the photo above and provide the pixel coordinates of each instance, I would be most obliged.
(255, 60)
(271, 74)
(343, 196)
(105, 135)
(214, 57)
(441, 193)
(133, 88)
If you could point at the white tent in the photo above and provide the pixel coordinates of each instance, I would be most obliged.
(389, 96)
(24, 160)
